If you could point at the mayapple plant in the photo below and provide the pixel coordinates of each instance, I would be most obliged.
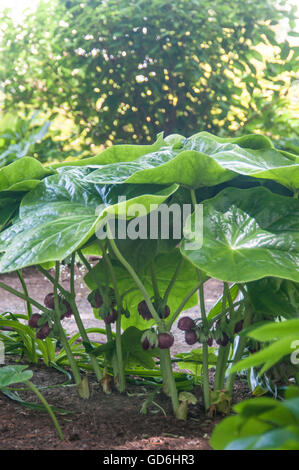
(243, 191)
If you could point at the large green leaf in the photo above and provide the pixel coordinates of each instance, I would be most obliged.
(204, 160)
(275, 296)
(116, 153)
(261, 423)
(22, 175)
(283, 335)
(63, 212)
(247, 235)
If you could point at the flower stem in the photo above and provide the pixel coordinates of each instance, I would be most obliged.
(119, 355)
(205, 347)
(29, 313)
(134, 276)
(62, 336)
(168, 378)
(174, 278)
(240, 349)
(84, 336)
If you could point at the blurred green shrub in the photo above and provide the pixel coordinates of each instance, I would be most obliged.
(124, 69)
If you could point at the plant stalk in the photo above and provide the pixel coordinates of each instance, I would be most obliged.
(62, 336)
(80, 325)
(168, 378)
(205, 347)
(29, 313)
(119, 355)
(47, 406)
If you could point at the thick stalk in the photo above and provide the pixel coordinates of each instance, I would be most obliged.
(114, 358)
(29, 312)
(154, 282)
(47, 406)
(174, 278)
(84, 336)
(134, 276)
(223, 353)
(24, 297)
(62, 336)
(222, 350)
(108, 326)
(119, 355)
(23, 283)
(80, 325)
(166, 362)
(52, 280)
(205, 347)
(169, 378)
(241, 346)
(205, 351)
(183, 303)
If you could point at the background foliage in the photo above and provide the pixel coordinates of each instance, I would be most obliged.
(124, 69)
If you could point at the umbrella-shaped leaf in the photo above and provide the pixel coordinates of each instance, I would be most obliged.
(204, 160)
(116, 153)
(247, 235)
(63, 212)
(22, 175)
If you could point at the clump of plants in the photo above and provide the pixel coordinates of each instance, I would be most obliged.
(241, 228)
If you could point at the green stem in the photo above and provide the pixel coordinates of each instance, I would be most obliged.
(24, 297)
(193, 198)
(172, 282)
(29, 313)
(183, 303)
(72, 276)
(80, 325)
(205, 347)
(119, 355)
(168, 378)
(230, 300)
(114, 361)
(108, 326)
(168, 372)
(240, 349)
(47, 406)
(134, 276)
(52, 280)
(220, 315)
(223, 353)
(84, 261)
(22, 280)
(62, 336)
(154, 282)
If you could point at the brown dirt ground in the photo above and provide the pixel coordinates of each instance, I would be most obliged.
(104, 422)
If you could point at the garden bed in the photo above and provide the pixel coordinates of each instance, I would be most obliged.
(104, 422)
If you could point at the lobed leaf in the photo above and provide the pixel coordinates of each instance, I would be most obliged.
(247, 235)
